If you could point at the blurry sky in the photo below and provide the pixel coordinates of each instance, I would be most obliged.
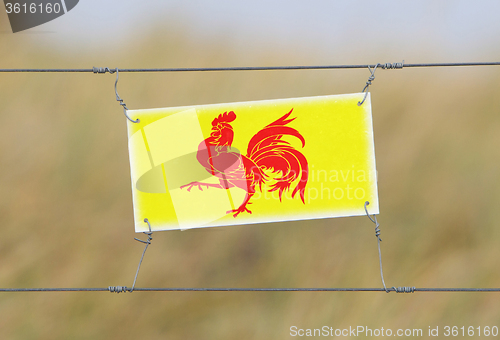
(344, 31)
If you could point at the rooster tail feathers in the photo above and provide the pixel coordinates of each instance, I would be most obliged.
(294, 168)
(283, 120)
(268, 151)
(272, 134)
(301, 186)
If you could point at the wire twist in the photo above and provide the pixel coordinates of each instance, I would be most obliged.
(118, 99)
(386, 66)
(102, 70)
(374, 220)
(123, 289)
(377, 234)
(118, 289)
(404, 289)
(368, 83)
(147, 242)
(389, 66)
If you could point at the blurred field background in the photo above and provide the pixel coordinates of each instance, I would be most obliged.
(66, 208)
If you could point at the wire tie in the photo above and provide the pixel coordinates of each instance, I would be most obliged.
(146, 233)
(123, 289)
(368, 83)
(377, 235)
(386, 66)
(404, 289)
(118, 289)
(147, 242)
(389, 66)
(121, 100)
(102, 70)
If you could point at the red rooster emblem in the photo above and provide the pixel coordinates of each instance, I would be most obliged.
(269, 158)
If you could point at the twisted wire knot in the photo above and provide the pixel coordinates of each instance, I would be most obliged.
(377, 231)
(148, 233)
(374, 220)
(120, 101)
(403, 289)
(118, 289)
(389, 66)
(369, 82)
(103, 70)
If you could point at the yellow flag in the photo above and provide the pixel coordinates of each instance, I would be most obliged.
(252, 162)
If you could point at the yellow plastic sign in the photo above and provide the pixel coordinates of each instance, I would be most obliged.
(252, 162)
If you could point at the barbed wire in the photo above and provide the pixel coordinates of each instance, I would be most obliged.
(250, 68)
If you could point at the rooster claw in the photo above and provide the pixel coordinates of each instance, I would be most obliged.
(238, 211)
(199, 185)
(187, 185)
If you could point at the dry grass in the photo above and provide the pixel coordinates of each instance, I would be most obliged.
(66, 210)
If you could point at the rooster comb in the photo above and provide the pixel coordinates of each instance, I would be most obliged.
(226, 117)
